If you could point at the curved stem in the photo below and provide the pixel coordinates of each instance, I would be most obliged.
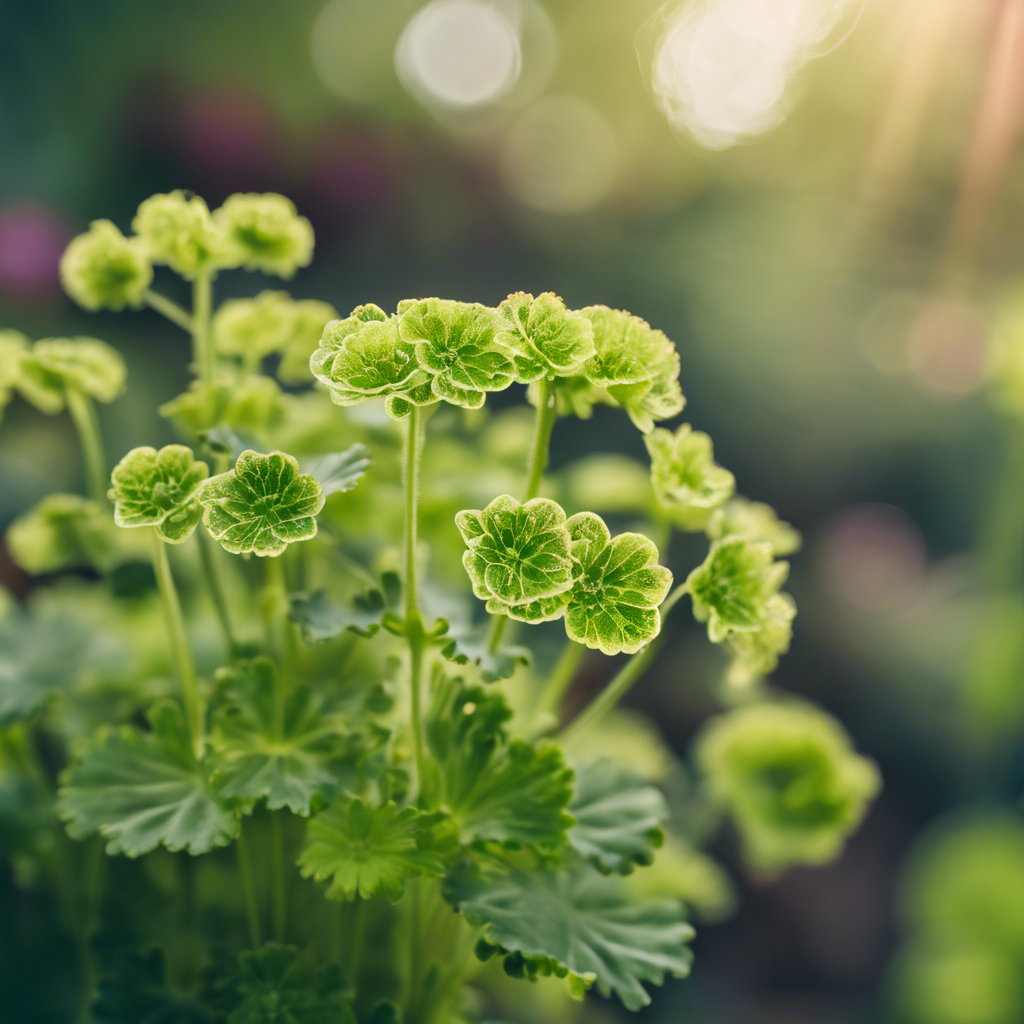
(83, 414)
(169, 309)
(202, 350)
(560, 680)
(178, 642)
(252, 910)
(213, 583)
(414, 631)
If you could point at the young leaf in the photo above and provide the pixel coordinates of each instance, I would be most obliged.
(573, 920)
(366, 851)
(251, 406)
(253, 328)
(308, 320)
(286, 755)
(756, 652)
(340, 471)
(635, 365)
(322, 619)
(178, 230)
(618, 586)
(140, 790)
(13, 348)
(545, 337)
(619, 817)
(456, 343)
(56, 365)
(102, 269)
(790, 779)
(472, 648)
(756, 522)
(64, 531)
(262, 505)
(732, 587)
(687, 480)
(517, 553)
(497, 790)
(265, 232)
(159, 488)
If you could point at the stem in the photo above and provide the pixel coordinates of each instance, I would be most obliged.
(280, 637)
(213, 583)
(179, 643)
(252, 910)
(561, 678)
(83, 414)
(357, 934)
(1000, 547)
(413, 618)
(279, 883)
(169, 309)
(202, 350)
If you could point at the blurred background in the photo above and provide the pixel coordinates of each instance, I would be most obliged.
(820, 201)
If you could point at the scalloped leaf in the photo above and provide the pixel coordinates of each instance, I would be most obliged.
(140, 790)
(754, 521)
(177, 229)
(101, 269)
(57, 365)
(339, 472)
(473, 648)
(756, 653)
(619, 817)
(518, 553)
(574, 921)
(368, 851)
(13, 348)
(263, 231)
(618, 586)
(64, 531)
(250, 406)
(687, 480)
(322, 619)
(262, 505)
(545, 337)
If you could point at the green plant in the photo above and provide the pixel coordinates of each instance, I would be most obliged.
(353, 758)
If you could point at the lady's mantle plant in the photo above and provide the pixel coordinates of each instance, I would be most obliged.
(353, 759)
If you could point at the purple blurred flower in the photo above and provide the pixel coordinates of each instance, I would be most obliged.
(32, 239)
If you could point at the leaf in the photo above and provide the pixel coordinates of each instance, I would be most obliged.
(265, 232)
(545, 337)
(308, 320)
(517, 553)
(756, 522)
(40, 655)
(287, 756)
(159, 488)
(177, 229)
(618, 586)
(497, 790)
(275, 985)
(573, 920)
(253, 328)
(790, 779)
(262, 505)
(137, 993)
(366, 851)
(322, 619)
(635, 365)
(339, 472)
(57, 365)
(140, 790)
(732, 587)
(251, 406)
(687, 480)
(619, 817)
(64, 531)
(456, 344)
(101, 269)
(609, 483)
(13, 348)
(756, 653)
(473, 649)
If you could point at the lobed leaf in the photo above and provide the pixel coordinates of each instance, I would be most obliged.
(64, 531)
(756, 522)
(322, 619)
(265, 232)
(544, 337)
(251, 406)
(101, 269)
(309, 317)
(473, 648)
(13, 348)
(756, 652)
(339, 472)
(687, 480)
(177, 229)
(57, 365)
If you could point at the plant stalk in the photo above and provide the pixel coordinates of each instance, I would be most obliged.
(414, 632)
(279, 883)
(202, 349)
(83, 415)
(213, 584)
(245, 877)
(560, 680)
(357, 935)
(169, 309)
(178, 641)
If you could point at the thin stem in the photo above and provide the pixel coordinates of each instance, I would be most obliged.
(1000, 545)
(356, 937)
(213, 583)
(83, 414)
(169, 309)
(560, 680)
(252, 910)
(202, 350)
(178, 642)
(279, 882)
(414, 631)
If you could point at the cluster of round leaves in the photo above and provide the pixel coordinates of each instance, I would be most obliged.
(434, 350)
(103, 269)
(531, 563)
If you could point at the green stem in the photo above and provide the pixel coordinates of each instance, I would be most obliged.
(280, 637)
(169, 309)
(560, 680)
(414, 632)
(279, 882)
(178, 642)
(1000, 544)
(202, 349)
(213, 583)
(83, 414)
(356, 937)
(252, 910)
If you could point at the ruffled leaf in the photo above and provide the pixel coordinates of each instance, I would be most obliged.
(57, 365)
(13, 348)
(251, 406)
(754, 521)
(308, 320)
(177, 229)
(102, 269)
(756, 652)
(265, 232)
(253, 328)
(473, 648)
(339, 472)
(64, 531)
(322, 619)
(545, 337)
(687, 481)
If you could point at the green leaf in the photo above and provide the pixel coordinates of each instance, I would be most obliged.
(517, 553)
(13, 348)
(137, 993)
(790, 779)
(473, 648)
(637, 366)
(177, 229)
(140, 790)
(253, 328)
(262, 505)
(756, 653)
(57, 365)
(364, 357)
(64, 531)
(102, 269)
(339, 472)
(545, 337)
(497, 790)
(40, 655)
(687, 480)
(545, 609)
(322, 619)
(265, 232)
(456, 343)
(617, 588)
(159, 488)
(308, 320)
(573, 920)
(619, 817)
(732, 587)
(275, 985)
(287, 755)
(366, 851)
(251, 406)
(756, 522)
(605, 483)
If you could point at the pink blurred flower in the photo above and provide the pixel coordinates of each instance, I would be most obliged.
(32, 238)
